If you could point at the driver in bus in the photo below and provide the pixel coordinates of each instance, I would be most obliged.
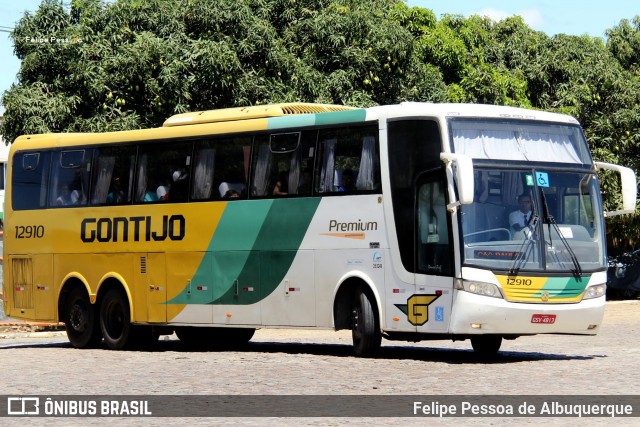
(521, 218)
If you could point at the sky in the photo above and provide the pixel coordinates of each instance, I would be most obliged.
(575, 17)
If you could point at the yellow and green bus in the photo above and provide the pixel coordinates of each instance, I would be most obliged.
(391, 221)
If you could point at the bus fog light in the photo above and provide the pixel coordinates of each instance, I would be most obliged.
(595, 291)
(482, 288)
(476, 326)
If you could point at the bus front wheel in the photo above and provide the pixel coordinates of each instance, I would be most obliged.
(115, 320)
(80, 320)
(486, 345)
(365, 329)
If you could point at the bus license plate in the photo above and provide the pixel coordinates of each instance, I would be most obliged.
(547, 319)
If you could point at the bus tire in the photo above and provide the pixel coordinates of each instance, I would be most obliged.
(365, 329)
(80, 320)
(235, 337)
(197, 338)
(115, 320)
(486, 345)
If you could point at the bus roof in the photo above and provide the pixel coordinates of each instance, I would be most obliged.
(408, 109)
(272, 116)
(254, 112)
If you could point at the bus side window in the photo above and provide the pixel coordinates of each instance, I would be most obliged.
(66, 179)
(283, 164)
(30, 180)
(166, 166)
(112, 175)
(220, 168)
(349, 160)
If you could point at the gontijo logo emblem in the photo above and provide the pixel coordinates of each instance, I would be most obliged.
(417, 308)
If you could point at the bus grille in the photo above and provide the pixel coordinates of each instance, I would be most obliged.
(543, 289)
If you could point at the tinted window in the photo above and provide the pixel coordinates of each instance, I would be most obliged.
(283, 164)
(164, 169)
(349, 160)
(112, 177)
(68, 186)
(220, 168)
(30, 180)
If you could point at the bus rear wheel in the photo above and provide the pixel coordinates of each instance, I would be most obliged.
(115, 320)
(80, 322)
(486, 345)
(365, 330)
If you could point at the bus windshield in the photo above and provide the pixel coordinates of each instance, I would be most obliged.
(534, 220)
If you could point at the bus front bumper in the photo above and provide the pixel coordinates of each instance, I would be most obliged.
(476, 314)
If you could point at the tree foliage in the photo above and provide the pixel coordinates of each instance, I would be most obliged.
(123, 64)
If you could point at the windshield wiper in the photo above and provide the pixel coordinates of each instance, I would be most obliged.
(522, 255)
(550, 221)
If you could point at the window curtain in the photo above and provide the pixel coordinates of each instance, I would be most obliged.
(511, 188)
(328, 165)
(85, 176)
(522, 144)
(487, 144)
(294, 172)
(132, 171)
(103, 178)
(203, 174)
(141, 189)
(552, 147)
(366, 173)
(262, 173)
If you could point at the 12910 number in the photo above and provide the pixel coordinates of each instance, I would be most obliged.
(29, 231)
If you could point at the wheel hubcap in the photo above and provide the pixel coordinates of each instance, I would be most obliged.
(78, 318)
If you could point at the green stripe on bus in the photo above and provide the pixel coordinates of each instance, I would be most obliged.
(274, 251)
(346, 116)
(251, 251)
(291, 121)
(300, 120)
(564, 287)
(232, 241)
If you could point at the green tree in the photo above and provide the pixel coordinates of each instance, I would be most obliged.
(131, 63)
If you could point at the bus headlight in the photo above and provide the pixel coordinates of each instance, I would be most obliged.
(595, 291)
(482, 288)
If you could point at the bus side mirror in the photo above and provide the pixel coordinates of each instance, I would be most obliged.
(629, 188)
(463, 169)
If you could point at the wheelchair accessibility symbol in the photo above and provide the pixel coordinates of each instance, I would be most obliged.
(542, 178)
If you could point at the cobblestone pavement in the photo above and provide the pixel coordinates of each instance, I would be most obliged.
(293, 362)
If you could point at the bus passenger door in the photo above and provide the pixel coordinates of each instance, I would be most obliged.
(430, 308)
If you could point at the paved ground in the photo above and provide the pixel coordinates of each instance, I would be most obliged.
(294, 362)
